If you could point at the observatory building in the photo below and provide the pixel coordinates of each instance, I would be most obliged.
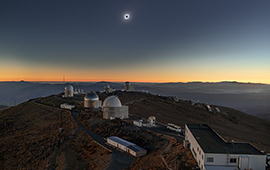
(126, 146)
(91, 100)
(108, 89)
(128, 86)
(212, 152)
(112, 108)
(68, 91)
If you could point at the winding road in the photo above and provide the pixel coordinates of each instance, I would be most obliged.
(119, 160)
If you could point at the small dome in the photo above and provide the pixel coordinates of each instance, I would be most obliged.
(112, 101)
(127, 83)
(69, 87)
(91, 96)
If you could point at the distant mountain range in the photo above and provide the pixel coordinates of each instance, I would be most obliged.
(247, 97)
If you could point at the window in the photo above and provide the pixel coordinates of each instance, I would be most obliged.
(202, 156)
(194, 152)
(232, 160)
(210, 159)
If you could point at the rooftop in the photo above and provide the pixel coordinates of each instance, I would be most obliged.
(128, 144)
(120, 141)
(112, 101)
(135, 148)
(211, 142)
(91, 96)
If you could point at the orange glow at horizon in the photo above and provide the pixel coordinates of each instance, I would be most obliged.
(10, 71)
(145, 80)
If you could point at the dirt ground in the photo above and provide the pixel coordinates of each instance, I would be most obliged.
(30, 139)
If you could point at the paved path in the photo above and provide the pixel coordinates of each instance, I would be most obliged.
(160, 128)
(97, 138)
(120, 160)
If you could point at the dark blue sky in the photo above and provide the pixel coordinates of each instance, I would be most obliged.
(180, 36)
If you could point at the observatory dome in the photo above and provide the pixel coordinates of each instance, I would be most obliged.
(69, 88)
(127, 83)
(112, 101)
(91, 96)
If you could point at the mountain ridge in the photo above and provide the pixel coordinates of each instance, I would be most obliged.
(249, 98)
(33, 128)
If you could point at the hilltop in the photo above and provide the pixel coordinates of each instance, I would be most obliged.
(231, 124)
(30, 137)
(3, 107)
(250, 98)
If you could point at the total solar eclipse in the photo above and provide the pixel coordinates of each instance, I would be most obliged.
(126, 16)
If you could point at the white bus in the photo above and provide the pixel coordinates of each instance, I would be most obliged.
(174, 127)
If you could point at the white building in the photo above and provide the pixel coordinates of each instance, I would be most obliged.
(67, 106)
(91, 100)
(214, 153)
(69, 91)
(108, 89)
(126, 146)
(79, 91)
(112, 107)
(138, 122)
(209, 108)
(174, 127)
(128, 86)
(152, 120)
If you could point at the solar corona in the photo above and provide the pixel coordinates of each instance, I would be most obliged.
(126, 16)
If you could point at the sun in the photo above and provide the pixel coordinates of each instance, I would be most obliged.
(126, 16)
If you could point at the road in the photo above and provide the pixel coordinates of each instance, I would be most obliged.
(119, 160)
(160, 128)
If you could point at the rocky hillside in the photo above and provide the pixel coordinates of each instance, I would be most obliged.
(30, 139)
(229, 123)
(3, 107)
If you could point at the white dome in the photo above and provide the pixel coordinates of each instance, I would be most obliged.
(112, 101)
(69, 87)
(91, 96)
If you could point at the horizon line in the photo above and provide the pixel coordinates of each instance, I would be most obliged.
(75, 81)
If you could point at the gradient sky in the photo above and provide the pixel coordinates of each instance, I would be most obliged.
(163, 41)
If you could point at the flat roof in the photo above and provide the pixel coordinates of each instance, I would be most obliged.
(120, 141)
(211, 142)
(135, 148)
(128, 144)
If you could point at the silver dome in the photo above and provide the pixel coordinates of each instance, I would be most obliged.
(69, 88)
(112, 101)
(91, 96)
